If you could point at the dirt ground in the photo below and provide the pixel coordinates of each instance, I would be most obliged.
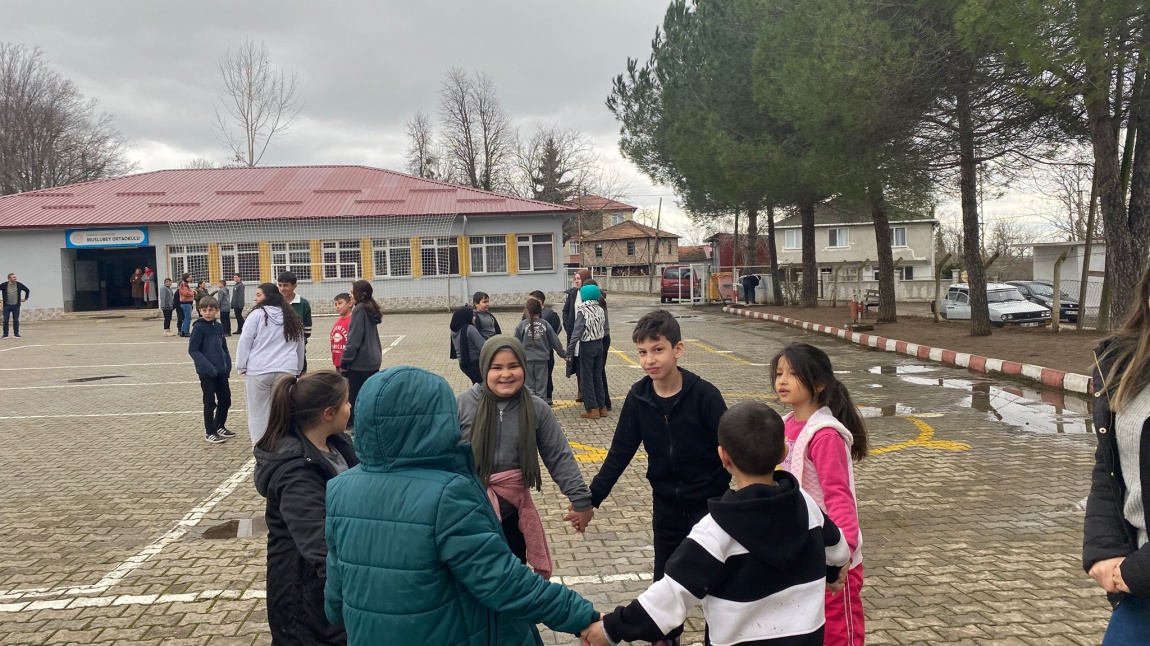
(1069, 350)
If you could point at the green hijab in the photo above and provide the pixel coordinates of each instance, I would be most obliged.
(485, 426)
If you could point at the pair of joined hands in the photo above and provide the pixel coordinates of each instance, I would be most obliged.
(1108, 574)
(579, 519)
(593, 635)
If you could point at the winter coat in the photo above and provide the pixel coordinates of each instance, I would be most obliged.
(137, 286)
(683, 463)
(238, 301)
(487, 323)
(363, 350)
(223, 296)
(539, 339)
(293, 477)
(263, 348)
(167, 297)
(1106, 534)
(475, 342)
(21, 293)
(209, 348)
(415, 551)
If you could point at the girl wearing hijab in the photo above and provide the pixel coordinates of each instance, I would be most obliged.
(466, 342)
(510, 430)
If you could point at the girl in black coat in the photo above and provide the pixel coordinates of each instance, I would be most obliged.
(1115, 549)
(303, 448)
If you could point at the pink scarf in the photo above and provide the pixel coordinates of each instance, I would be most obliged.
(509, 486)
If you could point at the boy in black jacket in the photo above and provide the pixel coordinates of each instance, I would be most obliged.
(759, 562)
(675, 415)
(209, 350)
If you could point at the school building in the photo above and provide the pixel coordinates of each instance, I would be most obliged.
(423, 244)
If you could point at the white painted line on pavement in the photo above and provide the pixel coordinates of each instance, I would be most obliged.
(393, 343)
(111, 385)
(105, 365)
(144, 414)
(190, 519)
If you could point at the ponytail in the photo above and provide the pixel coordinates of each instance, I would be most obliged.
(534, 309)
(298, 403)
(836, 397)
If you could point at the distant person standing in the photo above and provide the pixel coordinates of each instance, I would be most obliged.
(483, 319)
(271, 347)
(224, 298)
(11, 296)
(362, 353)
(750, 282)
(167, 305)
(187, 296)
(149, 280)
(238, 302)
(137, 281)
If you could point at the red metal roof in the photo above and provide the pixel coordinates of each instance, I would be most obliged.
(219, 194)
(597, 203)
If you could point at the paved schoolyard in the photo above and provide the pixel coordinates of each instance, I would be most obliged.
(119, 521)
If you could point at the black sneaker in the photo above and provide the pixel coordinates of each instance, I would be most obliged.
(224, 432)
(215, 438)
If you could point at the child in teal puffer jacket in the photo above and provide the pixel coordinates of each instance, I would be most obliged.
(415, 552)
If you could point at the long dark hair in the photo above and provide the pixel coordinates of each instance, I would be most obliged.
(299, 402)
(361, 291)
(1130, 349)
(812, 367)
(293, 324)
(533, 309)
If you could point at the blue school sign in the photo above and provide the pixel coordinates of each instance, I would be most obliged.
(99, 238)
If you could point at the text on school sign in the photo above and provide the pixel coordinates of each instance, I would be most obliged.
(84, 238)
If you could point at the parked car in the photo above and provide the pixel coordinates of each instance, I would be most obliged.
(678, 282)
(1042, 292)
(1006, 305)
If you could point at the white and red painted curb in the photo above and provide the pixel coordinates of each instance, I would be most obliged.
(1068, 381)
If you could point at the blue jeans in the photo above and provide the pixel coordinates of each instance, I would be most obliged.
(13, 312)
(187, 322)
(1129, 624)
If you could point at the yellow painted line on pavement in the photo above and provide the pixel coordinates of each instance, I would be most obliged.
(625, 357)
(925, 439)
(713, 351)
(588, 453)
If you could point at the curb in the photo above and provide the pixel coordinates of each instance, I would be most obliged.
(1068, 381)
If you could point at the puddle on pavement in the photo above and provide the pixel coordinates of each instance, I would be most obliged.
(84, 379)
(892, 410)
(241, 528)
(1029, 409)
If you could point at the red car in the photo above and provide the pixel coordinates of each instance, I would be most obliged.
(678, 282)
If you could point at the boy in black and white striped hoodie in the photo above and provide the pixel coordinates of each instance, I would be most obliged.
(759, 562)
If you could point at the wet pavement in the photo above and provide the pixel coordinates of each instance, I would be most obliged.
(127, 528)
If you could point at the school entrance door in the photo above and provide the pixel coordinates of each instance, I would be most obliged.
(104, 276)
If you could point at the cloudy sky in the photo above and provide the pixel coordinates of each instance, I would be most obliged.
(364, 68)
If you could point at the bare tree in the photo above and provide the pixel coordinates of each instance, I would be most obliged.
(199, 163)
(478, 139)
(423, 157)
(259, 102)
(555, 164)
(1068, 187)
(49, 133)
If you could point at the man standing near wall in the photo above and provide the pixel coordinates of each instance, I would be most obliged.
(13, 294)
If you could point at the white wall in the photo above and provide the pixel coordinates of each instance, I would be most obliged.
(34, 255)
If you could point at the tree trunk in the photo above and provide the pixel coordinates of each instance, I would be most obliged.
(809, 296)
(1120, 268)
(976, 277)
(752, 255)
(887, 311)
(1129, 264)
(777, 286)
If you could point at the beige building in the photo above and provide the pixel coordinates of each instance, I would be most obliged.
(843, 236)
(629, 249)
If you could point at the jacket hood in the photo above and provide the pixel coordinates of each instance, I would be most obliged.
(375, 317)
(407, 417)
(770, 521)
(288, 449)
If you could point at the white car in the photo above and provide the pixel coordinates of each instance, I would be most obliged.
(1007, 306)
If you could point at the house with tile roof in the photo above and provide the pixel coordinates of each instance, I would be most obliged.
(422, 244)
(629, 249)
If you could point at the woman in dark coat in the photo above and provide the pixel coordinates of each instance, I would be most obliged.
(1115, 549)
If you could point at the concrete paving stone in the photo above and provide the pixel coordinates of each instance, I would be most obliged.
(978, 538)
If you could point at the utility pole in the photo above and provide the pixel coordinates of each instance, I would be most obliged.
(655, 250)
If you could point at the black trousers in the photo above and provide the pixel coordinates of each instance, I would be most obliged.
(167, 320)
(217, 400)
(603, 371)
(671, 522)
(238, 312)
(355, 381)
(509, 516)
(550, 381)
(225, 322)
(471, 369)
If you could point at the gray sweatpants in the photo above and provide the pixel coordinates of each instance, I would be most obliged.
(258, 396)
(537, 378)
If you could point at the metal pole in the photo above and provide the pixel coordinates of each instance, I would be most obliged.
(1056, 305)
